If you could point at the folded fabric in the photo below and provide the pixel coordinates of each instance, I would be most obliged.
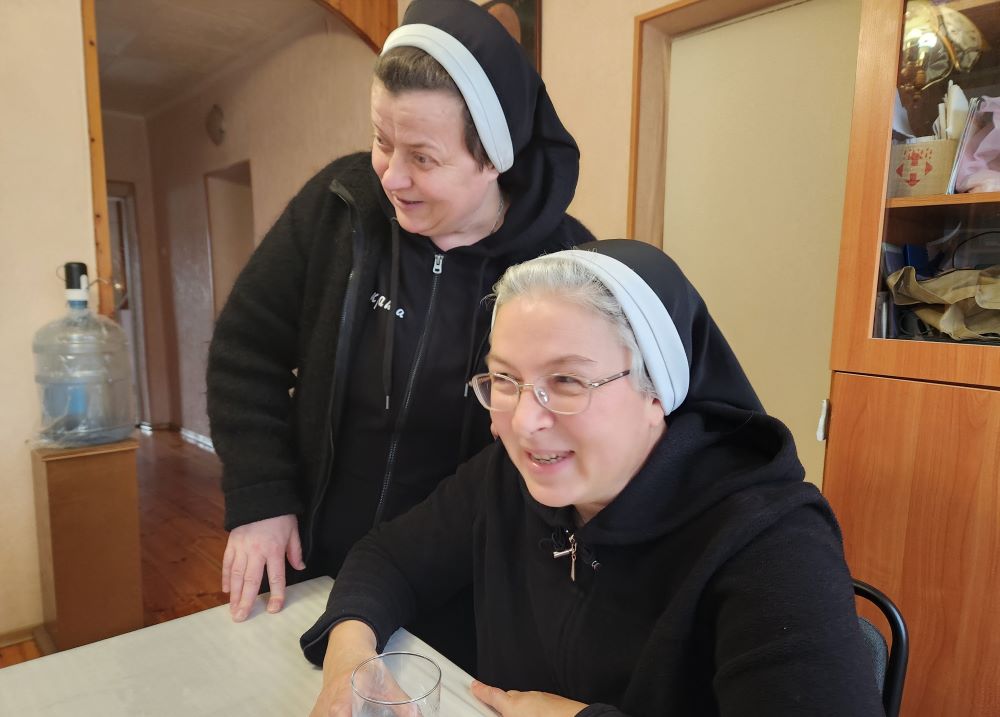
(964, 304)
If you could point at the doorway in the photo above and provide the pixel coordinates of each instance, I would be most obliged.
(126, 282)
(229, 196)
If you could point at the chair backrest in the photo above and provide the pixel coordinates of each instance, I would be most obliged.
(890, 661)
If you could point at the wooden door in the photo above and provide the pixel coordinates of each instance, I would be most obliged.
(913, 473)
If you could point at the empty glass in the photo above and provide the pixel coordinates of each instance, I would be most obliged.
(396, 684)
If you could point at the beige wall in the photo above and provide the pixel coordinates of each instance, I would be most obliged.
(756, 163)
(587, 67)
(45, 221)
(739, 243)
(126, 157)
(288, 113)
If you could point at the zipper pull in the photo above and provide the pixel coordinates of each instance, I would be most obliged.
(571, 552)
(438, 261)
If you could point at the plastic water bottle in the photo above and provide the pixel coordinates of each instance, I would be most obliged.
(83, 373)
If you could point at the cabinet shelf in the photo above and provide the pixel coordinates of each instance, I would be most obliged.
(919, 220)
(942, 200)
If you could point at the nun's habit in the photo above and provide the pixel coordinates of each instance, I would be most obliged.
(323, 403)
(713, 584)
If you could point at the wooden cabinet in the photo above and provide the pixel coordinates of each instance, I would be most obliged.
(86, 508)
(869, 217)
(913, 457)
(913, 472)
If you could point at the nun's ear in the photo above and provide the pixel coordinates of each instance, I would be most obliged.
(654, 411)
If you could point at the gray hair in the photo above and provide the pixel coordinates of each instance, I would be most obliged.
(577, 284)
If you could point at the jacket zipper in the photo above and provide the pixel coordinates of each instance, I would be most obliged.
(436, 271)
(347, 310)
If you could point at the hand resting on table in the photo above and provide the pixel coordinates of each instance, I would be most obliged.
(252, 548)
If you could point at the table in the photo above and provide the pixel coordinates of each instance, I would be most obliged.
(202, 664)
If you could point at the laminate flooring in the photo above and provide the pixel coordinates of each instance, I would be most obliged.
(182, 540)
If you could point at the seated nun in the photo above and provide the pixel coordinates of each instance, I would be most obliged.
(639, 540)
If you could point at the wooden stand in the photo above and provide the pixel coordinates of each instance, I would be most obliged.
(86, 506)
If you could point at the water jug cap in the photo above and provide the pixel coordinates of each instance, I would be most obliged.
(77, 283)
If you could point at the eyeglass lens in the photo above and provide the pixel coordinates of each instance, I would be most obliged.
(558, 393)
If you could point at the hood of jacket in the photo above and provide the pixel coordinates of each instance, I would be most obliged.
(719, 444)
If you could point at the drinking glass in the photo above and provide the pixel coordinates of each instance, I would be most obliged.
(396, 684)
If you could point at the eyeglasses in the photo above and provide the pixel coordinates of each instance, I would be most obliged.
(559, 393)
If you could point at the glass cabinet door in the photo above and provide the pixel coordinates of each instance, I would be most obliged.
(939, 272)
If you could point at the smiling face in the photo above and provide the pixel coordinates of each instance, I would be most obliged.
(426, 170)
(586, 459)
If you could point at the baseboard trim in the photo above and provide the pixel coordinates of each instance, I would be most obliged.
(13, 638)
(197, 439)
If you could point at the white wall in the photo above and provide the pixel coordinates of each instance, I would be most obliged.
(45, 221)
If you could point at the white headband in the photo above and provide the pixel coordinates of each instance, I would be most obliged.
(655, 332)
(475, 86)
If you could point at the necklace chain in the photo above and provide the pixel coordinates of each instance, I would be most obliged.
(496, 222)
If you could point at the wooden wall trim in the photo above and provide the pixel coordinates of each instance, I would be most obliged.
(373, 20)
(633, 145)
(654, 34)
(98, 177)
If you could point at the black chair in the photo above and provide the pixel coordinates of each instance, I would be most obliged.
(890, 661)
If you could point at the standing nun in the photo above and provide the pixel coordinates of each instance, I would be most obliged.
(338, 370)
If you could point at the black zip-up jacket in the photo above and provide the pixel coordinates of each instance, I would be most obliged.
(282, 352)
(714, 584)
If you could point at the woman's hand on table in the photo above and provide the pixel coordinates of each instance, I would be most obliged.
(350, 643)
(250, 549)
(512, 703)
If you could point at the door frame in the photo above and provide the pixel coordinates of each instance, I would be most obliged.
(654, 35)
(125, 192)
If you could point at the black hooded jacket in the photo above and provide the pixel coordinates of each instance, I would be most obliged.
(337, 370)
(713, 584)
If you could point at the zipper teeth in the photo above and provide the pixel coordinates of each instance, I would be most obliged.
(391, 460)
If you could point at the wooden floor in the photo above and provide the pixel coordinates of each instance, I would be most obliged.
(180, 521)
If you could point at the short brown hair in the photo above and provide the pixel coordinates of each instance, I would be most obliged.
(410, 68)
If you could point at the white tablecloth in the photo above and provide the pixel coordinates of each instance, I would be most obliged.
(202, 664)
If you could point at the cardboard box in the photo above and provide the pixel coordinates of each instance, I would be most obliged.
(921, 168)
